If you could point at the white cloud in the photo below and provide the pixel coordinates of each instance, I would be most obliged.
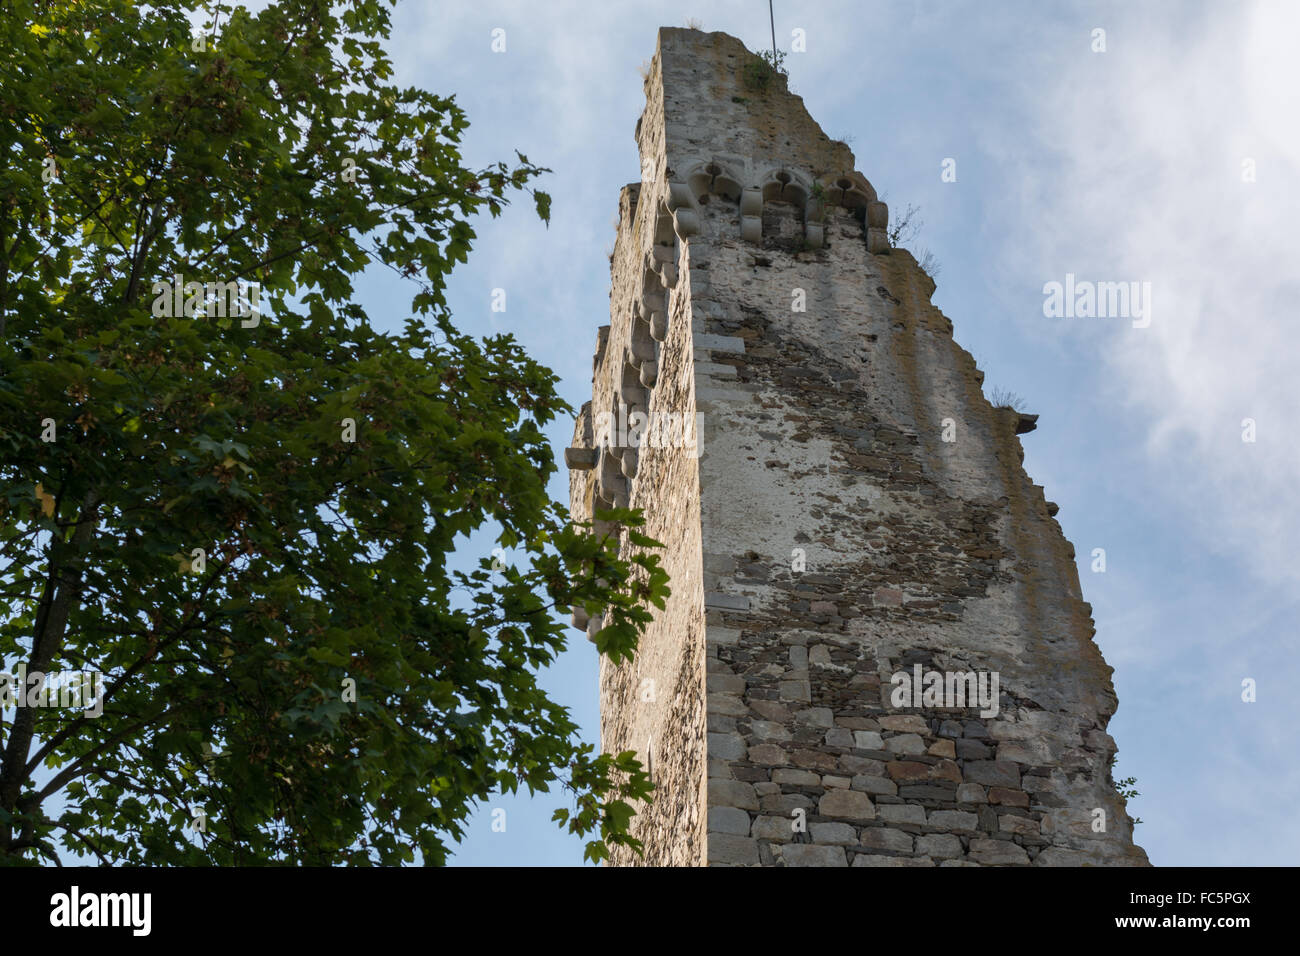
(1152, 136)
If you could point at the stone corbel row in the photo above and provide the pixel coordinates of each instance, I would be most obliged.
(583, 622)
(877, 227)
(613, 490)
(850, 190)
(614, 467)
(686, 214)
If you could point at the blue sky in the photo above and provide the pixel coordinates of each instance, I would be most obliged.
(1123, 165)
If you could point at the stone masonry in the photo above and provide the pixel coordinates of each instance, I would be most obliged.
(842, 506)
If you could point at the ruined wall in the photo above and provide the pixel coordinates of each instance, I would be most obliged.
(654, 705)
(857, 509)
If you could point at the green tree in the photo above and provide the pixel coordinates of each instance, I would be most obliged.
(243, 521)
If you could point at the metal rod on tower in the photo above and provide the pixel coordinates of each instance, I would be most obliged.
(772, 19)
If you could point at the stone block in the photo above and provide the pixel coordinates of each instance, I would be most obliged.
(868, 783)
(1008, 798)
(942, 748)
(998, 853)
(906, 724)
(872, 859)
(1021, 826)
(867, 740)
(958, 821)
(905, 744)
(718, 343)
(901, 813)
(767, 755)
(839, 737)
(847, 805)
(993, 773)
(732, 793)
(727, 848)
(810, 854)
(941, 846)
(728, 820)
(883, 838)
(773, 828)
(726, 747)
(796, 778)
(834, 833)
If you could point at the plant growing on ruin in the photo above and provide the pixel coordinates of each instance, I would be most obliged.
(1126, 788)
(762, 68)
(775, 59)
(906, 225)
(1005, 398)
(929, 264)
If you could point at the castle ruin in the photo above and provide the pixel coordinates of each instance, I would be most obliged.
(850, 534)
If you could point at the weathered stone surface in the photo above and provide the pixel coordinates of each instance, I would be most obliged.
(776, 829)
(815, 717)
(904, 771)
(942, 748)
(905, 744)
(726, 747)
(728, 820)
(855, 765)
(901, 813)
(941, 846)
(846, 804)
(867, 740)
(820, 429)
(993, 773)
(727, 704)
(769, 730)
(834, 833)
(883, 838)
(923, 792)
(732, 793)
(871, 859)
(958, 821)
(724, 848)
(767, 755)
(840, 737)
(1009, 798)
(772, 711)
(786, 802)
(869, 783)
(905, 723)
(795, 690)
(972, 750)
(726, 684)
(810, 854)
(998, 853)
(796, 778)
(1060, 856)
(1024, 826)
(814, 760)
(819, 656)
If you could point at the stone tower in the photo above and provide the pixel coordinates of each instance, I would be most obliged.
(843, 515)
